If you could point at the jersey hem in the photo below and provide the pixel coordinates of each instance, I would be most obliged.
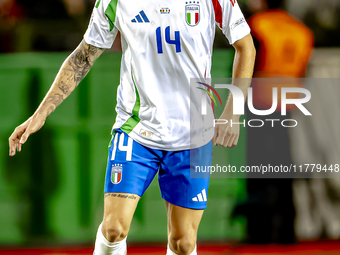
(181, 148)
(137, 139)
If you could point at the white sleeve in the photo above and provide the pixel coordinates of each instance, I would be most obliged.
(102, 30)
(232, 22)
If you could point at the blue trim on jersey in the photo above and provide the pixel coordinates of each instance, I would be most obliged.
(131, 168)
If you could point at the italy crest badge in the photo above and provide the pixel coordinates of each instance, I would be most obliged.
(192, 13)
(116, 174)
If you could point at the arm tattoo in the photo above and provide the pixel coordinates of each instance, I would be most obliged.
(74, 69)
(64, 87)
(55, 99)
(77, 66)
(50, 110)
(82, 61)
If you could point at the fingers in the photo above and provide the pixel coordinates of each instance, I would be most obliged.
(219, 136)
(19, 147)
(215, 136)
(24, 137)
(236, 140)
(233, 141)
(21, 133)
(226, 137)
(17, 139)
(14, 140)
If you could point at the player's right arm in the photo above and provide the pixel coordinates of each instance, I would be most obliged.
(71, 73)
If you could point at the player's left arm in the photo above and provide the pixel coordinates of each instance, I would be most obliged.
(227, 135)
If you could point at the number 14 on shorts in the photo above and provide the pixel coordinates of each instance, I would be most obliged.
(119, 138)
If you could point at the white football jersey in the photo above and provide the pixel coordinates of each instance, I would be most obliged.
(165, 43)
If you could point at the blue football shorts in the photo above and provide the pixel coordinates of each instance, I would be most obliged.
(131, 168)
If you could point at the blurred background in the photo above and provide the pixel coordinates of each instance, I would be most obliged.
(51, 194)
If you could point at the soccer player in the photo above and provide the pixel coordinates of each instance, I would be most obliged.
(159, 125)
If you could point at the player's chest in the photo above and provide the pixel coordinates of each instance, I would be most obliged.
(184, 16)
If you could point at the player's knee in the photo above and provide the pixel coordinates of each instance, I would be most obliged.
(114, 232)
(183, 245)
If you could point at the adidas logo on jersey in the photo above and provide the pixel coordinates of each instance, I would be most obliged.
(140, 18)
(201, 197)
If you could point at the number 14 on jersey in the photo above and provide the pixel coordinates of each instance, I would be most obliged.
(176, 41)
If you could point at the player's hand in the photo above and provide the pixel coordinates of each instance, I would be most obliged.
(22, 132)
(226, 134)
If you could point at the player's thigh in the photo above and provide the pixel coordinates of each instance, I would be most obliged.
(130, 170)
(186, 195)
(183, 221)
(118, 212)
(179, 183)
(182, 228)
